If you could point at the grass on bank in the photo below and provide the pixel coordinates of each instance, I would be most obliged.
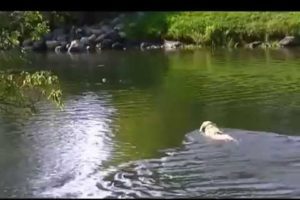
(214, 28)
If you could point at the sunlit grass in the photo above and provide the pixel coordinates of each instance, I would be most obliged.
(216, 28)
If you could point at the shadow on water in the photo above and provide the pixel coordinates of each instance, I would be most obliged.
(123, 130)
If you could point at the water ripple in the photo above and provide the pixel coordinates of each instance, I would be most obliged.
(202, 168)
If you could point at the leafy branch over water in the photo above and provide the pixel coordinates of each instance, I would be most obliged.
(23, 89)
(17, 26)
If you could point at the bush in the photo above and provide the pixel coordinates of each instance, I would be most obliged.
(17, 26)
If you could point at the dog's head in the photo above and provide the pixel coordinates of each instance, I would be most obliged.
(205, 124)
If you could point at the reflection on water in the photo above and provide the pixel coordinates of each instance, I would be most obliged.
(130, 136)
(62, 147)
(81, 138)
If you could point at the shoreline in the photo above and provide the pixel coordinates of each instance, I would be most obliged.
(146, 31)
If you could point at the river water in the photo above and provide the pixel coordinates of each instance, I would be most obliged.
(129, 127)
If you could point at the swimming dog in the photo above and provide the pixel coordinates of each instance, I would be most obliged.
(211, 130)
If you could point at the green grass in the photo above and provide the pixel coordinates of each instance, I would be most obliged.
(215, 28)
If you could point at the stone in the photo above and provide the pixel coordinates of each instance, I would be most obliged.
(289, 41)
(51, 45)
(117, 46)
(169, 45)
(106, 44)
(254, 44)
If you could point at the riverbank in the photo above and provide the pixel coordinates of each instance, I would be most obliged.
(171, 30)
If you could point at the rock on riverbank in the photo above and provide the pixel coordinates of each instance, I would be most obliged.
(110, 34)
(102, 36)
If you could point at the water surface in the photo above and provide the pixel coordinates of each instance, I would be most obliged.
(129, 127)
